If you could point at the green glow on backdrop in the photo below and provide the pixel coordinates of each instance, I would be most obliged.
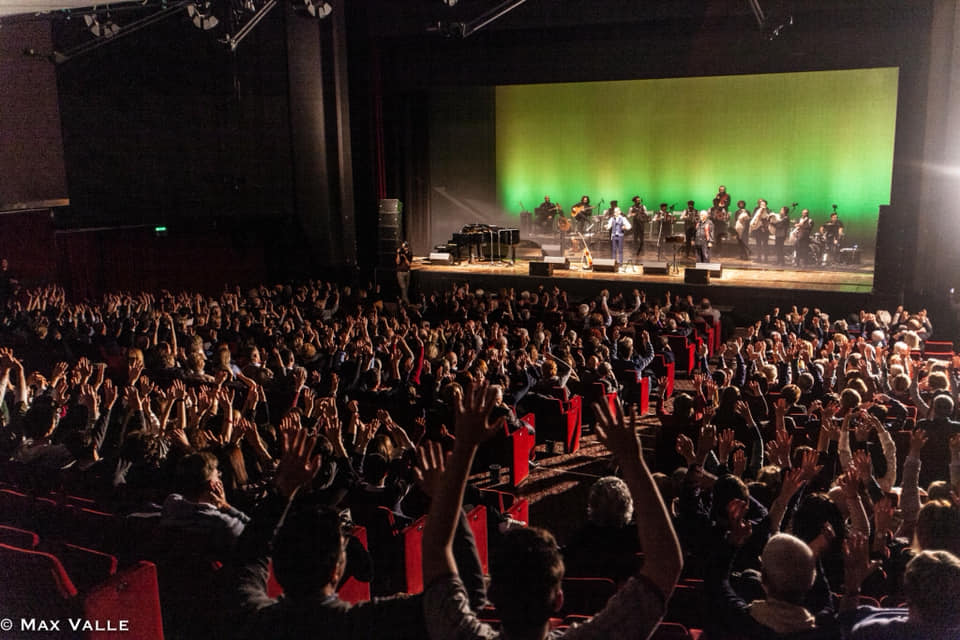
(817, 138)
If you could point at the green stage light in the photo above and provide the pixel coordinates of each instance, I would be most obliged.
(816, 138)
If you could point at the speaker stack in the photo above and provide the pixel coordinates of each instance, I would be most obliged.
(715, 268)
(389, 231)
(605, 265)
(656, 268)
(696, 276)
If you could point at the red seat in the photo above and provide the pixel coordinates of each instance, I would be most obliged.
(413, 554)
(13, 506)
(353, 590)
(522, 442)
(86, 567)
(132, 595)
(559, 420)
(507, 503)
(35, 585)
(664, 369)
(670, 631)
(477, 517)
(16, 537)
(684, 352)
(636, 390)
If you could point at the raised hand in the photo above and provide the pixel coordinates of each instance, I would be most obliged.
(725, 445)
(740, 528)
(856, 563)
(109, 393)
(431, 464)
(863, 464)
(616, 434)
(918, 438)
(739, 462)
(472, 414)
(297, 467)
(809, 466)
(685, 448)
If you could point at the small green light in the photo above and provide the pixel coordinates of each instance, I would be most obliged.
(159, 229)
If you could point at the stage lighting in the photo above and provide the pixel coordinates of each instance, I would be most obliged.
(201, 14)
(318, 8)
(101, 28)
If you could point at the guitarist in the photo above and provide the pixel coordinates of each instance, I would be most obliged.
(581, 212)
(546, 213)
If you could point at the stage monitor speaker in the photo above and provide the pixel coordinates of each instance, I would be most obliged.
(715, 268)
(541, 269)
(656, 268)
(605, 265)
(558, 262)
(696, 276)
(440, 258)
(391, 205)
(549, 249)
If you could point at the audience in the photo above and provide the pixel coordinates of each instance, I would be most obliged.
(266, 423)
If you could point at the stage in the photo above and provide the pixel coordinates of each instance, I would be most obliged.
(749, 286)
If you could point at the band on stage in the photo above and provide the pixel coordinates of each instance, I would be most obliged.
(759, 234)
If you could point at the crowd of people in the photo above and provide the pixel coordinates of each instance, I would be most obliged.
(256, 426)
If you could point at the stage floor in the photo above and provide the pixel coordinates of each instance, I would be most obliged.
(735, 273)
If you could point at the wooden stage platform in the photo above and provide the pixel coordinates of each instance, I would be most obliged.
(749, 287)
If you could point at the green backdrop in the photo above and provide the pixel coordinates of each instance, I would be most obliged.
(817, 138)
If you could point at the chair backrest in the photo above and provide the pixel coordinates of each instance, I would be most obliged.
(413, 554)
(87, 568)
(35, 584)
(16, 537)
(477, 518)
(131, 595)
(353, 590)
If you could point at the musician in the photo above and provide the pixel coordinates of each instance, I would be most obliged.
(690, 219)
(722, 199)
(721, 222)
(741, 228)
(662, 226)
(704, 236)
(802, 229)
(833, 233)
(639, 219)
(759, 230)
(581, 212)
(780, 226)
(617, 225)
(611, 210)
(546, 213)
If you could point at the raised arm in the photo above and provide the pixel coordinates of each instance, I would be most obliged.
(472, 422)
(664, 559)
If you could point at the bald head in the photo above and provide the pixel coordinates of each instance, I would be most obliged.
(788, 568)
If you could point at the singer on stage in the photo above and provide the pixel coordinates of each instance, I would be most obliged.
(617, 225)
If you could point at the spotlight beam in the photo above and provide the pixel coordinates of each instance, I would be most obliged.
(59, 57)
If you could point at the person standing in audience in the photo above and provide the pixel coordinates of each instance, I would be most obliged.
(403, 260)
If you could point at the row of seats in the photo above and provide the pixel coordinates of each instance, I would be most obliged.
(57, 580)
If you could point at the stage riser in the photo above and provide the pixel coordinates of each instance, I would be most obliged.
(746, 302)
